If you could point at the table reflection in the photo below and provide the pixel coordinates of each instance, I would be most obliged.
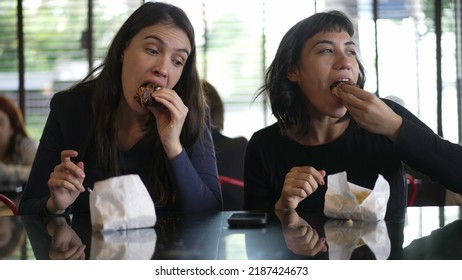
(206, 236)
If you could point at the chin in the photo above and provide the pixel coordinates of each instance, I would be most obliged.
(339, 113)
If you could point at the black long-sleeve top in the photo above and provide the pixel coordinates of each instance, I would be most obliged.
(363, 155)
(193, 173)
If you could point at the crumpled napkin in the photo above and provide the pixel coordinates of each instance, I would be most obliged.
(133, 244)
(120, 203)
(345, 200)
(344, 236)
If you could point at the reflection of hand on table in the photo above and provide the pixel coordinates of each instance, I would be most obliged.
(65, 243)
(299, 236)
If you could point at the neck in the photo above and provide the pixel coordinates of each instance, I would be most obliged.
(321, 132)
(130, 127)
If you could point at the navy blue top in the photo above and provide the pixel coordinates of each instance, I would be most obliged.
(193, 172)
(363, 155)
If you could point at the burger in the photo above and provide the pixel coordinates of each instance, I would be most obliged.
(335, 86)
(143, 95)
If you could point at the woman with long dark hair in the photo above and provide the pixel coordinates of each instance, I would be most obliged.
(98, 128)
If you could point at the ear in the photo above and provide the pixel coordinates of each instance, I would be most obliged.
(292, 73)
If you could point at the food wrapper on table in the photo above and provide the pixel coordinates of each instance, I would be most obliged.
(345, 200)
(121, 203)
(345, 236)
(134, 244)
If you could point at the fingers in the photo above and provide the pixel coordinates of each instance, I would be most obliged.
(305, 240)
(305, 180)
(370, 112)
(67, 174)
(172, 101)
(299, 183)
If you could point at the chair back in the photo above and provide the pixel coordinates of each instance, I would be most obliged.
(8, 202)
(232, 190)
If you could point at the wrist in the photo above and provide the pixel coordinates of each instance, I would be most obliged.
(52, 209)
(396, 129)
(172, 152)
(281, 206)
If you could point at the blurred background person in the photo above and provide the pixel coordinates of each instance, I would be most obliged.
(12, 238)
(17, 150)
(229, 152)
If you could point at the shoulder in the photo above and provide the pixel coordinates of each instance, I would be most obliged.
(26, 142)
(74, 96)
(76, 101)
(268, 133)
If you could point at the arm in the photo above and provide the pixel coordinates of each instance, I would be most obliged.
(48, 156)
(427, 152)
(416, 144)
(36, 192)
(195, 176)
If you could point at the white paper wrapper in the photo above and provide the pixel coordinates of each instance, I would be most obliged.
(344, 236)
(121, 203)
(342, 203)
(134, 244)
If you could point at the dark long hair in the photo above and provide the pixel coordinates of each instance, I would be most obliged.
(108, 91)
(16, 118)
(287, 101)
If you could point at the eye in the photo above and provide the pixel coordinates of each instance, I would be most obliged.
(351, 52)
(326, 50)
(178, 61)
(152, 51)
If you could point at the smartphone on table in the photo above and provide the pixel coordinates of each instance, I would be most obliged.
(247, 220)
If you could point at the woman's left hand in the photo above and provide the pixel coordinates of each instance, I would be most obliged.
(170, 119)
(370, 112)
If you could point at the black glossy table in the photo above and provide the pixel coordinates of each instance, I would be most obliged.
(422, 233)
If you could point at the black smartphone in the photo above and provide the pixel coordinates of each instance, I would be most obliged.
(247, 219)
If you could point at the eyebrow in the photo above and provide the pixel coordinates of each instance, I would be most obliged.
(348, 43)
(162, 42)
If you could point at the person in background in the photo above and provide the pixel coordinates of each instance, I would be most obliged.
(17, 149)
(12, 237)
(229, 151)
(318, 133)
(97, 129)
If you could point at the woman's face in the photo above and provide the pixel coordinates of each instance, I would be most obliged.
(326, 57)
(157, 54)
(6, 131)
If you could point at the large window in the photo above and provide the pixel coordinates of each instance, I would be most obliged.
(408, 47)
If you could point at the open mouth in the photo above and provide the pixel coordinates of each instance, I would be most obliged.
(335, 86)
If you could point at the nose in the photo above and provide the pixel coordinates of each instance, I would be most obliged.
(343, 62)
(160, 67)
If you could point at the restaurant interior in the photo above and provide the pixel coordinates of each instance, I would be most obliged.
(412, 52)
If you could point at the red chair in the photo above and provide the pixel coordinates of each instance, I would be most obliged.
(413, 191)
(232, 190)
(232, 181)
(8, 202)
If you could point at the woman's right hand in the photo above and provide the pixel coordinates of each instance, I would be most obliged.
(65, 243)
(300, 182)
(65, 183)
